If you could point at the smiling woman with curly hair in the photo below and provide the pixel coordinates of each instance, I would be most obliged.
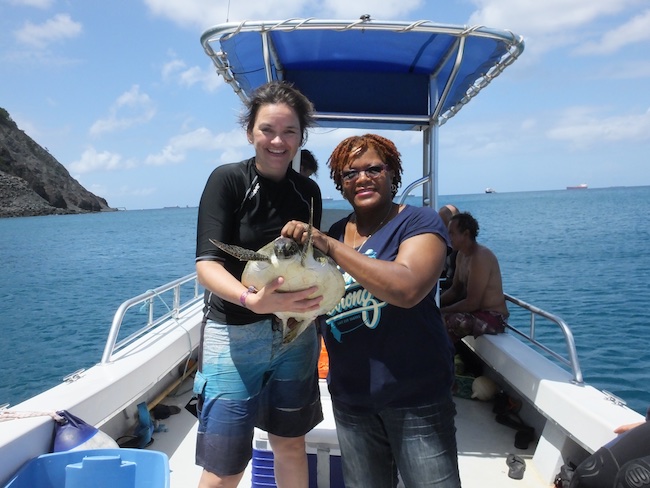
(391, 362)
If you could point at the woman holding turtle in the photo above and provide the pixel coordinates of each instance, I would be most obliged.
(391, 362)
(247, 376)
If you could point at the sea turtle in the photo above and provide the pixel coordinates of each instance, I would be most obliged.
(301, 266)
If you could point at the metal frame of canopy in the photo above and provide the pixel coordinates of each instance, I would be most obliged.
(364, 73)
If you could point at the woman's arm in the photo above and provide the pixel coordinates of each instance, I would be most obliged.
(403, 282)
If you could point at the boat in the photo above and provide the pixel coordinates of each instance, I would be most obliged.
(490, 190)
(581, 186)
(373, 75)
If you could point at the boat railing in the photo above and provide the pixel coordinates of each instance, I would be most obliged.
(155, 315)
(571, 358)
(149, 299)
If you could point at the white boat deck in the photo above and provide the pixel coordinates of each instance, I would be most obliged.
(483, 446)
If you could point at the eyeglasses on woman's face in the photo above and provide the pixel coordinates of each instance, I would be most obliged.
(371, 172)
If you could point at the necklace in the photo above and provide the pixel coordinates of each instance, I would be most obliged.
(356, 231)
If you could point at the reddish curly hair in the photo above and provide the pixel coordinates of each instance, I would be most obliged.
(353, 147)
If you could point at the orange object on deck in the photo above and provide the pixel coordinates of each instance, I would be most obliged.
(323, 361)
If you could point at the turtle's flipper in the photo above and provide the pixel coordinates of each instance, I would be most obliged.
(292, 328)
(240, 253)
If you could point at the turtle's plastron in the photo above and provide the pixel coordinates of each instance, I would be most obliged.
(301, 267)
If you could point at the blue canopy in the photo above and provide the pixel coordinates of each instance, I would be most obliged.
(365, 73)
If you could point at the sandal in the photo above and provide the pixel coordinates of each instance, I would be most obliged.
(517, 466)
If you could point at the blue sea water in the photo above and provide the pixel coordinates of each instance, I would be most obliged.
(582, 255)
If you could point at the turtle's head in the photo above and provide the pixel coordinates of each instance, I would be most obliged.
(285, 248)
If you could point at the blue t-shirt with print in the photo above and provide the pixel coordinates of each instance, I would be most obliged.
(382, 355)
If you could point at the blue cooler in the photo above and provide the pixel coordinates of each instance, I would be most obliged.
(323, 454)
(99, 468)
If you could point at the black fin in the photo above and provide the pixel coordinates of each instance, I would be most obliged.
(241, 253)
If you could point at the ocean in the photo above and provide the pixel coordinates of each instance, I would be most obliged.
(582, 255)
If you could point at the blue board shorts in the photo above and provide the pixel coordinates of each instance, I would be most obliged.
(250, 379)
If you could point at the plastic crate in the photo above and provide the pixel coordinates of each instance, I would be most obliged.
(99, 468)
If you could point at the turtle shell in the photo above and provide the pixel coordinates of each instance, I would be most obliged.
(314, 269)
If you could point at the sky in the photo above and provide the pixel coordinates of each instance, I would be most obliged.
(121, 93)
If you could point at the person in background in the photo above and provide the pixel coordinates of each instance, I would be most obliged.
(474, 304)
(308, 163)
(446, 212)
(247, 377)
(622, 463)
(391, 364)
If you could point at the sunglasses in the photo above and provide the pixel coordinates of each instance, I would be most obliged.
(371, 172)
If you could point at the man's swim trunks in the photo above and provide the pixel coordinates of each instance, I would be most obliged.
(460, 324)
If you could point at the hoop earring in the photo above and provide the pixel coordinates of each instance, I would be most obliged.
(393, 189)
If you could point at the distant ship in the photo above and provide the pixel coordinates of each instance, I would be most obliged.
(490, 190)
(581, 186)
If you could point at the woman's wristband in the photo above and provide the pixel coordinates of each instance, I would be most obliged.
(244, 295)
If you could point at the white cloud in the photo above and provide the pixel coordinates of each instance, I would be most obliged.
(58, 28)
(191, 13)
(533, 18)
(176, 70)
(475, 141)
(131, 108)
(171, 68)
(634, 31)
(547, 24)
(168, 155)
(583, 127)
(201, 139)
(91, 160)
(205, 13)
(377, 10)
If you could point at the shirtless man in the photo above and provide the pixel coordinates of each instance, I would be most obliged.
(475, 303)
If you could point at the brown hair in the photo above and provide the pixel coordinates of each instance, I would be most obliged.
(276, 92)
(353, 147)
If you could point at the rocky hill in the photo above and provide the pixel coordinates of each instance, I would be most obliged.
(33, 182)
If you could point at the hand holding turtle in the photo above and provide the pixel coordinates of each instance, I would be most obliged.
(269, 300)
(295, 270)
(299, 232)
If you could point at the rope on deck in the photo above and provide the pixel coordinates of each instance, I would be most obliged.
(6, 415)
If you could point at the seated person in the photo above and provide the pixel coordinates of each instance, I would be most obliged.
(474, 304)
(622, 463)
(446, 212)
(308, 163)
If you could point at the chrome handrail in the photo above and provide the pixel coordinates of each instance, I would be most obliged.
(572, 361)
(148, 299)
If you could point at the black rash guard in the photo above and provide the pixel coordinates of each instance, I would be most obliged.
(240, 206)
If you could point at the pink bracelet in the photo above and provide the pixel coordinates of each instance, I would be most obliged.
(244, 295)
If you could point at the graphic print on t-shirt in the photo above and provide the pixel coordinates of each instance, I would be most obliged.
(357, 308)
